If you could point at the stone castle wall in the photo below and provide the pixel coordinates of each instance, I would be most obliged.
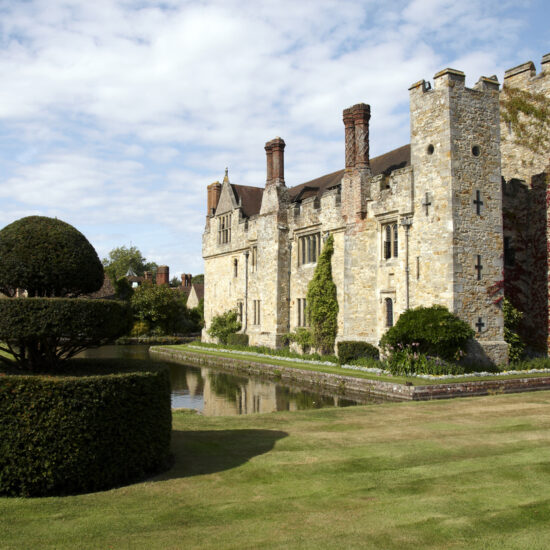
(446, 208)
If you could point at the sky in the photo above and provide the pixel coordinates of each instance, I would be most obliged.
(116, 114)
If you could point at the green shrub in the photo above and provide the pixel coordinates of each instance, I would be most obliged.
(223, 325)
(302, 337)
(237, 339)
(47, 257)
(322, 302)
(351, 350)
(42, 332)
(140, 328)
(512, 320)
(94, 431)
(435, 329)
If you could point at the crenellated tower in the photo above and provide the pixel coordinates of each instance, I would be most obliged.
(457, 229)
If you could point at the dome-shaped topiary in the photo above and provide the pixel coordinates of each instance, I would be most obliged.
(435, 331)
(47, 257)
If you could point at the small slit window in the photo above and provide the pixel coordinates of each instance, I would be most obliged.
(389, 312)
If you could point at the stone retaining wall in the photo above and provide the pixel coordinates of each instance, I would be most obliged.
(350, 385)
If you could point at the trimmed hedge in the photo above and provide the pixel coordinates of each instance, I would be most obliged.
(64, 435)
(47, 330)
(350, 350)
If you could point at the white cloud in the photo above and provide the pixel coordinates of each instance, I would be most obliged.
(117, 117)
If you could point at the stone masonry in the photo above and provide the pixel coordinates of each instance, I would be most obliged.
(420, 225)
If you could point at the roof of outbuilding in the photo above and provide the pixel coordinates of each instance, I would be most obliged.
(251, 197)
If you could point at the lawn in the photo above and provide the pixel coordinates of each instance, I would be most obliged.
(461, 473)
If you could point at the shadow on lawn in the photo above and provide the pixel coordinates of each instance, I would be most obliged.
(206, 452)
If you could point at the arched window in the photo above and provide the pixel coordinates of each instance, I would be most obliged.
(389, 312)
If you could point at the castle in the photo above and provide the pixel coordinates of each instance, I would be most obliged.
(457, 217)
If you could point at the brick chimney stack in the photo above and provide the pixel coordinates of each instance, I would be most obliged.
(278, 145)
(356, 121)
(214, 190)
(186, 279)
(361, 117)
(275, 158)
(148, 276)
(163, 275)
(269, 160)
(350, 138)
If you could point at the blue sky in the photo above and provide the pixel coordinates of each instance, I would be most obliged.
(116, 115)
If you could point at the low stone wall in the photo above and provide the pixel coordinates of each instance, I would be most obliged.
(349, 385)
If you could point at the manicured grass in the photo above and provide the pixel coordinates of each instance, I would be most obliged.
(462, 473)
(336, 369)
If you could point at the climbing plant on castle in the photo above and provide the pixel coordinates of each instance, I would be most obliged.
(528, 113)
(322, 302)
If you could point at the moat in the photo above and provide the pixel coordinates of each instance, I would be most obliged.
(216, 393)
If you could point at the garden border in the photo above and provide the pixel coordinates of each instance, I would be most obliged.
(350, 385)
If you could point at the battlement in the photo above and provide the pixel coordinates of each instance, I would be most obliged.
(526, 72)
(452, 78)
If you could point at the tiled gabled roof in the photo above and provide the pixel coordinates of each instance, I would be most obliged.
(251, 197)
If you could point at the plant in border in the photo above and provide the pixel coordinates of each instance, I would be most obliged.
(323, 302)
(302, 337)
(512, 320)
(224, 324)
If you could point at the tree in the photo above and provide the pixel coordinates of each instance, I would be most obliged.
(121, 259)
(55, 264)
(175, 282)
(162, 308)
(322, 302)
(198, 279)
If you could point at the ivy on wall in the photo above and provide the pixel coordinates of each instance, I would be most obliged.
(322, 302)
(528, 114)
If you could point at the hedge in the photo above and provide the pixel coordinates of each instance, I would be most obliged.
(237, 339)
(71, 434)
(350, 350)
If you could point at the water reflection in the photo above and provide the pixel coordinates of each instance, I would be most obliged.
(217, 393)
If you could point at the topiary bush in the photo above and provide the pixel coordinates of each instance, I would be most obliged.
(435, 329)
(47, 257)
(72, 434)
(54, 264)
(350, 350)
